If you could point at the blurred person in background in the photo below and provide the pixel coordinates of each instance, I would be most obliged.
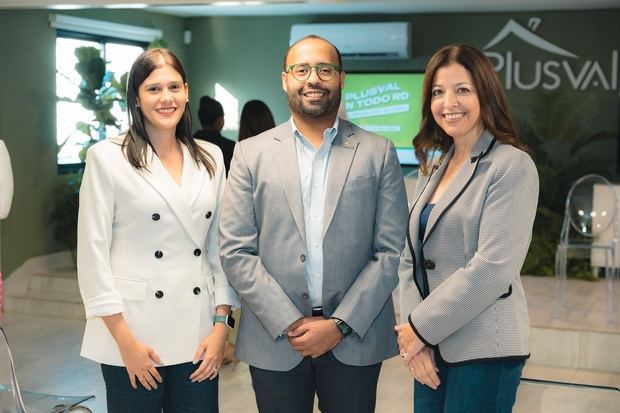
(255, 119)
(211, 116)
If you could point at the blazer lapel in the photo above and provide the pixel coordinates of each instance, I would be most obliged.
(341, 156)
(193, 177)
(459, 183)
(285, 158)
(158, 177)
(424, 196)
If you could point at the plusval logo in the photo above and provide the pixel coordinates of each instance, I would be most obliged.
(549, 74)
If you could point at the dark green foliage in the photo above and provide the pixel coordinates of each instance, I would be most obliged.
(65, 210)
(541, 255)
(99, 90)
(559, 134)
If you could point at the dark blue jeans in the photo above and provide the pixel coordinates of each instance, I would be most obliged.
(489, 386)
(176, 393)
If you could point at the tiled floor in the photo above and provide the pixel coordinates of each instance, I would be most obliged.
(46, 352)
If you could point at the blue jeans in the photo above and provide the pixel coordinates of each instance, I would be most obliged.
(176, 393)
(479, 387)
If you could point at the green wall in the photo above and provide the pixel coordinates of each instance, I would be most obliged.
(244, 54)
(27, 119)
(27, 127)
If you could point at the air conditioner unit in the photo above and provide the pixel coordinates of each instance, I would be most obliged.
(362, 40)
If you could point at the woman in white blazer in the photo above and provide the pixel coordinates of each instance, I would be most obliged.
(6, 197)
(6, 181)
(465, 336)
(148, 254)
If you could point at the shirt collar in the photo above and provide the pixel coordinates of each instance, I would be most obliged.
(328, 135)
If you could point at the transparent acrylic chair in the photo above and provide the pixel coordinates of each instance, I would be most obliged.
(590, 230)
(15, 400)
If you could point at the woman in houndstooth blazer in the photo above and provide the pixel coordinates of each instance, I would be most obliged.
(465, 331)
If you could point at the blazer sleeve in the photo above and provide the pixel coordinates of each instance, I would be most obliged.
(6, 182)
(239, 253)
(95, 219)
(224, 294)
(374, 285)
(506, 225)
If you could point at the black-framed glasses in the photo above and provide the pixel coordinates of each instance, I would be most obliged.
(325, 71)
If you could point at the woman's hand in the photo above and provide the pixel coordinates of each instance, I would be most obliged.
(408, 342)
(422, 367)
(140, 360)
(210, 351)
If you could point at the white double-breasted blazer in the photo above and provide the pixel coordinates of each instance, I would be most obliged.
(149, 248)
(6, 182)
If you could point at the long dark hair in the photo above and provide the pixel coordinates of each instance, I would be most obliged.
(494, 109)
(137, 139)
(255, 118)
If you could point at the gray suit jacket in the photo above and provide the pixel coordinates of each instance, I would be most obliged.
(263, 247)
(474, 246)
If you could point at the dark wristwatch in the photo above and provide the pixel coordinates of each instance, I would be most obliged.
(343, 327)
(226, 319)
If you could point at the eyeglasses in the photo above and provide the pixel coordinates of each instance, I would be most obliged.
(302, 71)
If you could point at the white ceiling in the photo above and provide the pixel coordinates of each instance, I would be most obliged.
(194, 8)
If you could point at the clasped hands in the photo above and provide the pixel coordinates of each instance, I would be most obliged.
(313, 336)
(417, 357)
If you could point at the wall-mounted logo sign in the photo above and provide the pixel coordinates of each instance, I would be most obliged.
(561, 67)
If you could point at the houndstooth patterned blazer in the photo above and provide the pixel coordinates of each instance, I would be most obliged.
(474, 246)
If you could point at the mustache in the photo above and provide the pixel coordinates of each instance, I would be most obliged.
(313, 89)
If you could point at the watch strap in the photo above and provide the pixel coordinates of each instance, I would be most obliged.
(226, 319)
(343, 327)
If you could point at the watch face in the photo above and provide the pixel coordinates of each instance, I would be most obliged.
(230, 321)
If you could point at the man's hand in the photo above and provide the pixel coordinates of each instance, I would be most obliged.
(302, 321)
(315, 337)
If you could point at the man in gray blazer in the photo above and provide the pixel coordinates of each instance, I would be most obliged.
(313, 222)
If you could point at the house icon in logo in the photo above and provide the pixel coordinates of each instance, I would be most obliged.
(512, 27)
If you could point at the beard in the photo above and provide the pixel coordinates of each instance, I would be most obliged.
(316, 110)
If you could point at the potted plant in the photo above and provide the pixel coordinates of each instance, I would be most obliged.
(99, 90)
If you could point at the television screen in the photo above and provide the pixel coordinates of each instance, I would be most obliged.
(387, 104)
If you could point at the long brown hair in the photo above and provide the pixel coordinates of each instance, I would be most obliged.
(494, 109)
(137, 139)
(255, 118)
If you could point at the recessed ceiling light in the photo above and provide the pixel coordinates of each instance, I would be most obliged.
(126, 6)
(226, 3)
(67, 6)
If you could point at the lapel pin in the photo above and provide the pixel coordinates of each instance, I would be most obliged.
(348, 145)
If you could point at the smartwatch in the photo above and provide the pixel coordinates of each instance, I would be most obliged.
(226, 319)
(343, 327)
